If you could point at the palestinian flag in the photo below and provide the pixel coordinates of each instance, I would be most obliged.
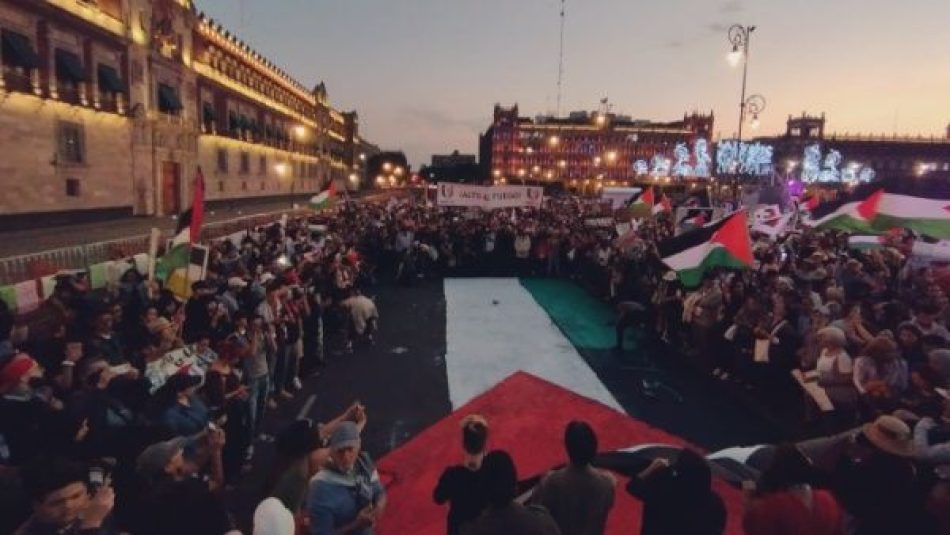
(853, 213)
(663, 206)
(519, 354)
(920, 205)
(724, 243)
(864, 242)
(809, 203)
(177, 256)
(641, 205)
(324, 199)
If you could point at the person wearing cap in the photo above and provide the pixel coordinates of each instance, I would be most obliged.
(504, 514)
(346, 496)
(301, 452)
(173, 497)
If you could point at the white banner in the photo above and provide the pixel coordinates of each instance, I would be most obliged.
(489, 197)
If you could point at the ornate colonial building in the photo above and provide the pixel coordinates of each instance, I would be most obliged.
(108, 107)
(886, 155)
(581, 151)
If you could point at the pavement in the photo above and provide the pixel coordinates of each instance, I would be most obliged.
(36, 240)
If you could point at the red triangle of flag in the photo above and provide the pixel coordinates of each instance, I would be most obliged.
(647, 197)
(868, 207)
(734, 236)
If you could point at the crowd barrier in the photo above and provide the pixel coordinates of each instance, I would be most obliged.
(26, 280)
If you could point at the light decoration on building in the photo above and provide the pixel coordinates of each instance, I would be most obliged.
(702, 158)
(827, 169)
(682, 167)
(830, 172)
(745, 158)
(641, 167)
(811, 163)
(660, 165)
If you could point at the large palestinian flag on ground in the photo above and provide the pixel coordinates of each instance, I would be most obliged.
(725, 243)
(921, 205)
(530, 355)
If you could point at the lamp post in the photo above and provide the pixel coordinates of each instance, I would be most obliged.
(740, 37)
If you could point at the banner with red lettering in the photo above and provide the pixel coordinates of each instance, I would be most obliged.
(489, 197)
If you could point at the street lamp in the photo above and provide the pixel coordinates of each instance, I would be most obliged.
(754, 105)
(740, 37)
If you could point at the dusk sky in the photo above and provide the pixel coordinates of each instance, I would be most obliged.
(425, 74)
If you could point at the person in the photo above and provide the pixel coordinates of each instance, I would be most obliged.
(363, 316)
(185, 413)
(301, 452)
(932, 437)
(504, 514)
(678, 498)
(63, 503)
(629, 314)
(785, 503)
(836, 371)
(346, 496)
(228, 398)
(881, 373)
(170, 481)
(461, 485)
(925, 321)
(579, 496)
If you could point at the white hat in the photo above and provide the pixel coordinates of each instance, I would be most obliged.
(272, 518)
(236, 282)
(267, 277)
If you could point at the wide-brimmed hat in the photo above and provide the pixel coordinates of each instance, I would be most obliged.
(891, 435)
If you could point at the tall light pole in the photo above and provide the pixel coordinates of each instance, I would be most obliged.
(740, 36)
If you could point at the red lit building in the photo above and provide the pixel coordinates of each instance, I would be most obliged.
(582, 150)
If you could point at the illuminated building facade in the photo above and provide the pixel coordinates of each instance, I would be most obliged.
(582, 151)
(806, 139)
(108, 107)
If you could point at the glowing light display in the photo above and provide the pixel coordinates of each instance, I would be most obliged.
(660, 165)
(830, 172)
(682, 166)
(701, 154)
(641, 167)
(746, 158)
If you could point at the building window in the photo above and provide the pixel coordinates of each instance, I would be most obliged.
(243, 186)
(168, 100)
(72, 144)
(222, 161)
(72, 187)
(245, 163)
(207, 116)
(263, 185)
(110, 85)
(262, 165)
(19, 60)
(221, 186)
(70, 73)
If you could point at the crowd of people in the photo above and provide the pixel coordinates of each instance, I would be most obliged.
(120, 406)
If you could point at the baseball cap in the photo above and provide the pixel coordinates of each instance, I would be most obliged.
(152, 462)
(236, 282)
(346, 435)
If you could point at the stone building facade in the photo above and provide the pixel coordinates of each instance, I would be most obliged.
(108, 108)
(582, 151)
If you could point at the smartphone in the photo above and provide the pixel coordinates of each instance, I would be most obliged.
(97, 477)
